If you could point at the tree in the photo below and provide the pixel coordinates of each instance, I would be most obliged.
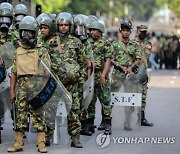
(174, 5)
(52, 6)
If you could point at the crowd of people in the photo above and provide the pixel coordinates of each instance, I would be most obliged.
(76, 54)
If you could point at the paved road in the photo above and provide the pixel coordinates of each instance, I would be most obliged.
(163, 108)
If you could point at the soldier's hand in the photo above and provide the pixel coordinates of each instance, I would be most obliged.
(102, 81)
(12, 96)
(124, 69)
(129, 71)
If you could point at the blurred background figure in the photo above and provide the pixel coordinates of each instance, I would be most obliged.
(154, 51)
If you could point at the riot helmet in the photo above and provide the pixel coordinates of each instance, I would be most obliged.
(92, 18)
(97, 25)
(47, 20)
(80, 27)
(125, 24)
(28, 30)
(67, 18)
(20, 11)
(6, 16)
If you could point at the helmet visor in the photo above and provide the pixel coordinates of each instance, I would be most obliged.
(80, 30)
(18, 18)
(6, 20)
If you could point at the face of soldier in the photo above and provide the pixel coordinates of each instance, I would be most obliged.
(64, 28)
(125, 33)
(142, 35)
(18, 19)
(95, 34)
(28, 38)
(44, 30)
(5, 23)
(137, 32)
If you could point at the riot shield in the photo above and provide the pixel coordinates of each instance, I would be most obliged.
(6, 58)
(88, 88)
(47, 99)
(126, 93)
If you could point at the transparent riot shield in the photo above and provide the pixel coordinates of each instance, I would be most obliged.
(126, 95)
(7, 51)
(48, 101)
(88, 88)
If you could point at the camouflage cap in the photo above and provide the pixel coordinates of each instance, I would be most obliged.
(143, 28)
(138, 27)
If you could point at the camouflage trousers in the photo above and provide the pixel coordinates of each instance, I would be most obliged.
(74, 125)
(50, 115)
(23, 109)
(104, 98)
(144, 96)
(83, 112)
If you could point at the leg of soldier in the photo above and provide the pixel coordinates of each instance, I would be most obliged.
(144, 122)
(50, 114)
(74, 125)
(38, 120)
(83, 114)
(91, 110)
(104, 97)
(21, 120)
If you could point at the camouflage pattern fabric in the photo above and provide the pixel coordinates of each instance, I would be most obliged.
(66, 65)
(145, 50)
(101, 49)
(24, 90)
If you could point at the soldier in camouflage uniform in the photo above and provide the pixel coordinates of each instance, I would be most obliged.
(20, 11)
(101, 49)
(48, 30)
(145, 50)
(126, 56)
(67, 51)
(6, 18)
(27, 52)
(80, 31)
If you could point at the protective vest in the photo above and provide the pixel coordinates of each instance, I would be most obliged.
(27, 61)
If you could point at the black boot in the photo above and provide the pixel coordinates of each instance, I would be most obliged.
(85, 128)
(102, 125)
(47, 141)
(144, 122)
(91, 125)
(108, 130)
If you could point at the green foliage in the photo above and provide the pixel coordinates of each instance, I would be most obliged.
(174, 5)
(138, 9)
(52, 6)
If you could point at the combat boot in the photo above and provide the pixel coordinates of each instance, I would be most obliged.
(47, 141)
(108, 130)
(91, 125)
(144, 122)
(18, 143)
(102, 125)
(41, 142)
(75, 141)
(85, 128)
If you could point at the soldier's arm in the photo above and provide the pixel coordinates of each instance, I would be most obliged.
(13, 81)
(89, 67)
(137, 56)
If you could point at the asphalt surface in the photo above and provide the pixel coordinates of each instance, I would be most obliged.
(163, 106)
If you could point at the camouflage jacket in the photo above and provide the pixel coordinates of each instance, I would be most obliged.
(10, 37)
(99, 50)
(125, 55)
(144, 49)
(67, 56)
